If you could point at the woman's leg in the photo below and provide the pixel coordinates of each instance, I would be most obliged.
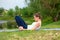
(20, 22)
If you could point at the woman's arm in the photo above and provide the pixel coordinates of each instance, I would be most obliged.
(36, 26)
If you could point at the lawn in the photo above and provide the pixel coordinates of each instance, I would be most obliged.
(52, 25)
(30, 35)
(34, 35)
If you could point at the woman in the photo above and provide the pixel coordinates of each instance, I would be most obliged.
(34, 26)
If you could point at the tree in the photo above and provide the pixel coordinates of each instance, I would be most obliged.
(52, 7)
(10, 12)
(26, 12)
(1, 11)
(17, 10)
(46, 7)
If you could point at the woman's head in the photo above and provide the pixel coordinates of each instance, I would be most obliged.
(37, 16)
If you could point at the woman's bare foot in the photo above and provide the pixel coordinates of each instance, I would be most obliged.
(21, 28)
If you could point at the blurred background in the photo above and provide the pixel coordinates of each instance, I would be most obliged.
(49, 10)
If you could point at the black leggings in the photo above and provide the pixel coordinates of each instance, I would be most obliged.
(20, 22)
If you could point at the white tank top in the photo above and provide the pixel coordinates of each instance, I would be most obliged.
(33, 24)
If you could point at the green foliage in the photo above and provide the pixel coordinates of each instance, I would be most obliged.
(49, 9)
(1, 26)
(1, 11)
(11, 25)
(17, 10)
(28, 21)
(26, 12)
(47, 21)
(46, 8)
(10, 12)
(52, 25)
(8, 25)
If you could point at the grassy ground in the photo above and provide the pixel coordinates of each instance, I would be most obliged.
(52, 25)
(30, 35)
(33, 35)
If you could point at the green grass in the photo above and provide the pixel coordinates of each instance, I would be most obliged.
(30, 35)
(52, 25)
(33, 35)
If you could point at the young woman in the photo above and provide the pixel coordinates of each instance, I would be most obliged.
(34, 26)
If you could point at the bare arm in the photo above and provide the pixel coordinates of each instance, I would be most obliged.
(36, 26)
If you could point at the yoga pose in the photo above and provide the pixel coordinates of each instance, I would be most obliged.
(34, 26)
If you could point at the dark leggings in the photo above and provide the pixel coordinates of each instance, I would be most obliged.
(20, 22)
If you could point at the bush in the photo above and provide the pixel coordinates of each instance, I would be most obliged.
(8, 25)
(11, 24)
(1, 26)
(46, 21)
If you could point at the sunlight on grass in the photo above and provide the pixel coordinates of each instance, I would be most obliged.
(52, 25)
(30, 35)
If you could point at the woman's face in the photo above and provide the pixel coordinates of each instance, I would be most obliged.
(36, 18)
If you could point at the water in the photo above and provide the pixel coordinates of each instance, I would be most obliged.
(7, 30)
(2, 21)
